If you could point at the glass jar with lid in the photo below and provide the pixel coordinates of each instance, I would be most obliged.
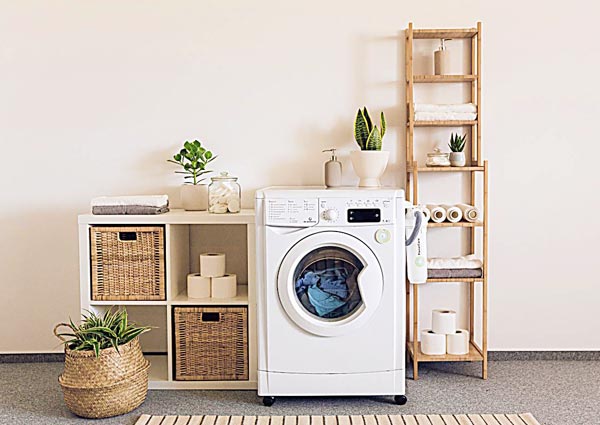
(224, 194)
(437, 158)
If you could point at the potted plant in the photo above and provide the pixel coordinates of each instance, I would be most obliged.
(193, 158)
(105, 372)
(457, 145)
(370, 161)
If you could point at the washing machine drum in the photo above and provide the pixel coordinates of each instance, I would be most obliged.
(330, 283)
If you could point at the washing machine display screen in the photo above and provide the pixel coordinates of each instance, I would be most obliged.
(326, 285)
(364, 215)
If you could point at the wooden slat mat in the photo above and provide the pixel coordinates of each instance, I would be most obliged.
(514, 419)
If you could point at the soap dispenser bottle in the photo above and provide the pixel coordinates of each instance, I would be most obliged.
(441, 59)
(333, 170)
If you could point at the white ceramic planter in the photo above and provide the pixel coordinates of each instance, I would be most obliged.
(457, 159)
(369, 166)
(194, 197)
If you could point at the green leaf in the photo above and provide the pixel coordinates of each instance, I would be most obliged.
(383, 125)
(367, 119)
(374, 140)
(361, 131)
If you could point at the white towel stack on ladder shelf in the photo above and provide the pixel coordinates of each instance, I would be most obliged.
(448, 112)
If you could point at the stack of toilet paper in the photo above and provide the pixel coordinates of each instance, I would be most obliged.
(444, 337)
(212, 281)
(452, 213)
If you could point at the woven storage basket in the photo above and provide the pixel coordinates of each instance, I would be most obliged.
(109, 385)
(128, 263)
(211, 343)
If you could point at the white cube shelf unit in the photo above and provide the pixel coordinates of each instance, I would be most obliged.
(187, 234)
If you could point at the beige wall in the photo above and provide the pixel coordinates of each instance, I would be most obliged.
(96, 95)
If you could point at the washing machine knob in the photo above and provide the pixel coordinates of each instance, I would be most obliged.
(330, 215)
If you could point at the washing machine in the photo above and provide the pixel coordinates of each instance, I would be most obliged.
(330, 281)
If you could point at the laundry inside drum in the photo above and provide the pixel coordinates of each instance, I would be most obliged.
(326, 283)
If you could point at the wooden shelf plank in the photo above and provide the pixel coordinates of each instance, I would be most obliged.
(444, 78)
(175, 216)
(459, 224)
(445, 33)
(453, 123)
(445, 169)
(473, 356)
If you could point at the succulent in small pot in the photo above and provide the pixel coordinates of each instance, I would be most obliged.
(370, 161)
(457, 145)
(193, 158)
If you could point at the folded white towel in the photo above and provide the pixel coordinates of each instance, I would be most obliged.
(445, 116)
(466, 262)
(142, 200)
(470, 213)
(456, 107)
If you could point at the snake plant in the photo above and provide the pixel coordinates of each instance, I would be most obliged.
(368, 136)
(96, 332)
(457, 142)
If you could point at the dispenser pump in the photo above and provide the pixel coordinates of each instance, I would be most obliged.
(333, 170)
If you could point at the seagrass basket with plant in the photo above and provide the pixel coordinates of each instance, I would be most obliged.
(105, 373)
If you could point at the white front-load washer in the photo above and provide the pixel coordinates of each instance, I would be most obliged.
(330, 279)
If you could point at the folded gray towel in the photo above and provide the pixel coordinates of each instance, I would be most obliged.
(129, 210)
(453, 273)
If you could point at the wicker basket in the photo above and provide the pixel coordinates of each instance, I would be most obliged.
(109, 385)
(128, 263)
(211, 343)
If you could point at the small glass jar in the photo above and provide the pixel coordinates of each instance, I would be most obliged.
(224, 194)
(437, 158)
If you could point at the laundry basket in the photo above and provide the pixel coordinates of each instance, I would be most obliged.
(109, 385)
(211, 343)
(128, 263)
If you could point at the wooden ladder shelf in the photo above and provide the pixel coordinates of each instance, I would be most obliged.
(477, 165)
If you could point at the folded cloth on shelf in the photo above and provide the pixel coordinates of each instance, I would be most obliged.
(453, 273)
(128, 210)
(445, 116)
(466, 262)
(157, 201)
(455, 107)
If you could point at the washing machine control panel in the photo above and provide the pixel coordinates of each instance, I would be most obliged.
(351, 211)
(292, 212)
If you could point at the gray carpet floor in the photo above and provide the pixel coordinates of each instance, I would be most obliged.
(555, 392)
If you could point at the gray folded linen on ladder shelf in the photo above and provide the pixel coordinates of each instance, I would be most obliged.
(130, 205)
(453, 273)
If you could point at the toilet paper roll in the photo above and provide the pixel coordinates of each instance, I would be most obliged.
(438, 214)
(443, 321)
(433, 344)
(224, 286)
(470, 213)
(212, 264)
(458, 342)
(453, 214)
(198, 286)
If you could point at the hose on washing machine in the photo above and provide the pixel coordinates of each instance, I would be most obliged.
(418, 220)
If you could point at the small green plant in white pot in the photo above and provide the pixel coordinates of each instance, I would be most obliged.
(370, 161)
(193, 158)
(457, 146)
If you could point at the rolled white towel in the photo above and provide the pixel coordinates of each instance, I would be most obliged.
(465, 262)
(452, 107)
(445, 116)
(156, 201)
(437, 213)
(470, 213)
(426, 212)
(453, 214)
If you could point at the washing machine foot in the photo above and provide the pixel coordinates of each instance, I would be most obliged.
(268, 401)
(400, 399)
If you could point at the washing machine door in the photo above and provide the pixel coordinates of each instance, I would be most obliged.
(330, 283)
